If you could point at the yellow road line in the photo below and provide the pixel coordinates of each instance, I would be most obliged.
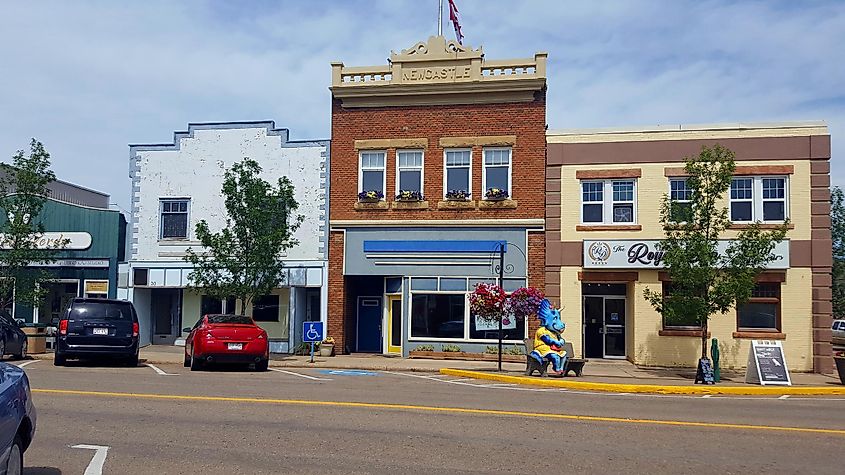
(453, 410)
(651, 388)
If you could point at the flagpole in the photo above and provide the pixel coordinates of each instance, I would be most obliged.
(440, 19)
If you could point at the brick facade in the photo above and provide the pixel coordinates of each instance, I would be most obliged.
(524, 120)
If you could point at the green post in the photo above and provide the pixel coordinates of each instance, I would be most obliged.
(714, 354)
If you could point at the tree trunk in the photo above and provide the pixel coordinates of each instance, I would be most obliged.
(704, 338)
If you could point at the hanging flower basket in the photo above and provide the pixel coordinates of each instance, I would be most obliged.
(370, 196)
(488, 302)
(525, 302)
(457, 195)
(405, 195)
(496, 194)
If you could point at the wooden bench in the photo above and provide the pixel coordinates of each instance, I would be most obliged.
(575, 365)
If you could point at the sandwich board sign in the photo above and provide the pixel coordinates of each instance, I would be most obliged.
(766, 364)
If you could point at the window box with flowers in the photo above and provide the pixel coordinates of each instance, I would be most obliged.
(410, 200)
(371, 199)
(457, 199)
(497, 198)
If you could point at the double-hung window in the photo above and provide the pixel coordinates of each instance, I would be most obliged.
(371, 177)
(497, 172)
(174, 218)
(409, 172)
(759, 199)
(680, 200)
(609, 202)
(458, 173)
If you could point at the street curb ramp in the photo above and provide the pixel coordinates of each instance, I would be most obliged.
(651, 388)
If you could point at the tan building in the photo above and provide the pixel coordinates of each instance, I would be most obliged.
(604, 189)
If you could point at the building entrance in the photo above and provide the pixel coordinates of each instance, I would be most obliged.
(604, 320)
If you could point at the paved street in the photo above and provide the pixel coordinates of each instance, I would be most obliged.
(166, 419)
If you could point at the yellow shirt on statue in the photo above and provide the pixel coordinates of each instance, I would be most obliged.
(541, 347)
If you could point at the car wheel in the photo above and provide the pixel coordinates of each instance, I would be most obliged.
(262, 365)
(15, 464)
(196, 364)
(187, 361)
(22, 354)
(59, 360)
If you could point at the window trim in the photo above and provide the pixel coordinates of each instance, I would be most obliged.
(757, 198)
(484, 166)
(399, 169)
(446, 167)
(608, 202)
(778, 317)
(383, 171)
(171, 199)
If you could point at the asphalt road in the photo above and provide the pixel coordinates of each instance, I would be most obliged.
(310, 421)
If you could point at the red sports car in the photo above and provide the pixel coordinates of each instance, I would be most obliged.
(226, 339)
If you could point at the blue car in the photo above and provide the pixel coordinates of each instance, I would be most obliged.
(17, 418)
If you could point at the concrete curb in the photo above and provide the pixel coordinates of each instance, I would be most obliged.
(651, 388)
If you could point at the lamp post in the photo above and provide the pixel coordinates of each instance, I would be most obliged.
(501, 286)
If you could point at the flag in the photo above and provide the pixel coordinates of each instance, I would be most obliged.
(456, 21)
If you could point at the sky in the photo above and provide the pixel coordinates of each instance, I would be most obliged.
(87, 78)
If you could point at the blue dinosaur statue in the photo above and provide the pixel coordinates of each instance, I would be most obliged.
(548, 343)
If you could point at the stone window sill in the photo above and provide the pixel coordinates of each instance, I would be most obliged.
(762, 226)
(374, 205)
(497, 204)
(689, 333)
(609, 227)
(456, 204)
(760, 335)
(409, 205)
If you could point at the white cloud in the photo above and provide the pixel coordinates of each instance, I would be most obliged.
(88, 78)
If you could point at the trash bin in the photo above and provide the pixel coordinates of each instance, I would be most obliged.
(36, 339)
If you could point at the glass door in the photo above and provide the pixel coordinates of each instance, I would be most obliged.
(614, 327)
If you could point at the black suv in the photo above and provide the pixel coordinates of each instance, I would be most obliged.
(98, 327)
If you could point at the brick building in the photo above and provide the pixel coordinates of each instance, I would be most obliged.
(437, 160)
(604, 192)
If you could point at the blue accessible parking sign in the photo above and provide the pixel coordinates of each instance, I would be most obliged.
(312, 332)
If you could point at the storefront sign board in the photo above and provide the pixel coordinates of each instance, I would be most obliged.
(646, 254)
(767, 364)
(75, 241)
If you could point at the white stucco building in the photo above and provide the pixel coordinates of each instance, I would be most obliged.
(176, 185)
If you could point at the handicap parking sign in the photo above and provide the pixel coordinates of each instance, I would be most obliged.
(312, 332)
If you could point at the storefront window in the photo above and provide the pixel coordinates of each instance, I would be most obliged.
(210, 305)
(762, 311)
(512, 329)
(266, 308)
(56, 300)
(678, 320)
(438, 315)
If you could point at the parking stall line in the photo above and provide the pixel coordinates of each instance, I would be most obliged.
(26, 363)
(159, 370)
(95, 467)
(313, 378)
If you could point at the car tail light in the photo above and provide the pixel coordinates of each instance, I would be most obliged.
(62, 327)
(135, 329)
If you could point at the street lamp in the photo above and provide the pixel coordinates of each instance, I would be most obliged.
(502, 249)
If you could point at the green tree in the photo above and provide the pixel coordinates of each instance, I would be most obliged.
(837, 229)
(243, 260)
(23, 191)
(709, 276)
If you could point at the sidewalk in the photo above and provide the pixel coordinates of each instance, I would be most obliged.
(599, 375)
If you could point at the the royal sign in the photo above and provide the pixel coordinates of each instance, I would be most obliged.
(646, 254)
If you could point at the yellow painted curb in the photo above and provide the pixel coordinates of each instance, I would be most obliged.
(652, 388)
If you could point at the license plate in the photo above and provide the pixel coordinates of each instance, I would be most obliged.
(101, 331)
(236, 346)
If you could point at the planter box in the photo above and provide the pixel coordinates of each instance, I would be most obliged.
(454, 355)
(456, 204)
(399, 204)
(497, 204)
(840, 367)
(326, 350)
(371, 205)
